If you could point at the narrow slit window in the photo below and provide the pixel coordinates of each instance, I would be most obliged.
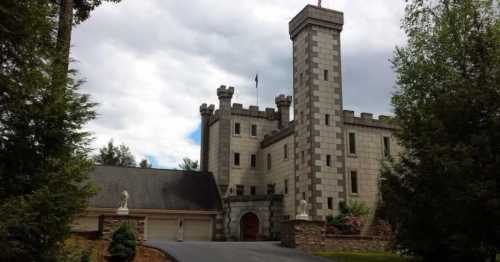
(253, 161)
(302, 156)
(285, 151)
(325, 75)
(268, 161)
(327, 119)
(236, 159)
(328, 160)
(254, 130)
(330, 203)
(286, 186)
(237, 128)
(354, 182)
(352, 143)
(387, 146)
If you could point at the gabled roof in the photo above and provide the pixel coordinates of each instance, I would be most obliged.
(155, 189)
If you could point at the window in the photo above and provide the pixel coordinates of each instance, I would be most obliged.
(303, 195)
(285, 151)
(301, 117)
(237, 128)
(327, 120)
(330, 203)
(286, 186)
(236, 159)
(387, 147)
(240, 190)
(253, 161)
(268, 161)
(270, 189)
(328, 160)
(325, 75)
(352, 143)
(254, 130)
(301, 78)
(354, 182)
(253, 190)
(302, 156)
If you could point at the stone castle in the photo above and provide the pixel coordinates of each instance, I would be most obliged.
(264, 163)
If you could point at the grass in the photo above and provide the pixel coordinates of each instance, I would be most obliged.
(368, 257)
(364, 257)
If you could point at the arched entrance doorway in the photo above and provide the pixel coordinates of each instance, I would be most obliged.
(249, 227)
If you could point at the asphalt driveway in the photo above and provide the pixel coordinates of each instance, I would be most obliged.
(194, 251)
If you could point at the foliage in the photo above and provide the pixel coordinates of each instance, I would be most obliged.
(188, 164)
(365, 257)
(115, 155)
(43, 152)
(145, 164)
(72, 251)
(123, 243)
(350, 217)
(441, 196)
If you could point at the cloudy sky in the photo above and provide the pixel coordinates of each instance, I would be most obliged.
(151, 63)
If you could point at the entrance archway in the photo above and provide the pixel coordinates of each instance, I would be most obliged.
(249, 227)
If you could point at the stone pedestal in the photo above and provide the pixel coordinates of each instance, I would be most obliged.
(109, 223)
(308, 236)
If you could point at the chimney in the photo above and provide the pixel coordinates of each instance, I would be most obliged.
(205, 112)
(283, 103)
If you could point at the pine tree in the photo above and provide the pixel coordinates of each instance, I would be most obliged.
(115, 155)
(441, 196)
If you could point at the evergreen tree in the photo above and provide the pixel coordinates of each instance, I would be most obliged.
(188, 164)
(441, 195)
(145, 164)
(43, 152)
(115, 155)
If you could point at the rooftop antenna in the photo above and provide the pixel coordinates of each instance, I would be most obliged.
(319, 3)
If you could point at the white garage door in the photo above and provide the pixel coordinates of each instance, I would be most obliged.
(162, 229)
(85, 224)
(195, 229)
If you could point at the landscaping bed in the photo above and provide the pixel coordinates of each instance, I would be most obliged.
(364, 257)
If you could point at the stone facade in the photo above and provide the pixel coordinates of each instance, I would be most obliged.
(258, 153)
(308, 236)
(108, 224)
(341, 243)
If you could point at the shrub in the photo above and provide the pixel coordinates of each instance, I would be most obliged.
(349, 221)
(123, 243)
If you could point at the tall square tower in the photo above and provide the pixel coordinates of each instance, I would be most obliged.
(317, 90)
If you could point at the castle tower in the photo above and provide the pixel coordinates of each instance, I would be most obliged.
(317, 90)
(205, 112)
(283, 104)
(224, 151)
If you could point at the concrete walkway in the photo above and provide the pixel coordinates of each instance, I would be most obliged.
(194, 251)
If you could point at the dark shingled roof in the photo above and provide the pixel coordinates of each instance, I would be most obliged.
(155, 189)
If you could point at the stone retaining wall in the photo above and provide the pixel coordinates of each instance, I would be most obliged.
(350, 243)
(308, 236)
(109, 223)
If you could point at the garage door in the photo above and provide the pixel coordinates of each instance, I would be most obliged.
(195, 229)
(85, 224)
(162, 229)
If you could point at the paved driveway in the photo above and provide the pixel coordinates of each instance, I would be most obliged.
(193, 251)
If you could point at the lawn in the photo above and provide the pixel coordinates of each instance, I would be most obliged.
(368, 257)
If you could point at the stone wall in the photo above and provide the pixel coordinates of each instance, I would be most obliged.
(109, 223)
(308, 236)
(345, 243)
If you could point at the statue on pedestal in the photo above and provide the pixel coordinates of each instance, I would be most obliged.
(302, 211)
(123, 209)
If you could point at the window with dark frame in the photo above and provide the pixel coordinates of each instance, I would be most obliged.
(240, 190)
(236, 159)
(285, 151)
(237, 128)
(354, 182)
(286, 186)
(352, 143)
(253, 161)
(325, 75)
(387, 146)
(327, 120)
(254, 130)
(328, 160)
(268, 161)
(330, 203)
(253, 190)
(270, 189)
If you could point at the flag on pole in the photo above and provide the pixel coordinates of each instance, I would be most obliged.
(256, 80)
(319, 3)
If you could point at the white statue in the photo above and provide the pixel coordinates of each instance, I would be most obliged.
(123, 209)
(302, 214)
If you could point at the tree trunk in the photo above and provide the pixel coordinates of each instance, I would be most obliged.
(61, 63)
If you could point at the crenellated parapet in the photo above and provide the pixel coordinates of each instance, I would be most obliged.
(367, 120)
(224, 92)
(207, 110)
(253, 111)
(283, 101)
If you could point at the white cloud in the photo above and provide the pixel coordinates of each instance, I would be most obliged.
(150, 64)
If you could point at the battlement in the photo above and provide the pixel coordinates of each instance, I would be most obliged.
(367, 120)
(313, 15)
(253, 111)
(206, 110)
(283, 101)
(224, 92)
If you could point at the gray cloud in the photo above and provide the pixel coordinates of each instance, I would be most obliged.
(151, 63)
